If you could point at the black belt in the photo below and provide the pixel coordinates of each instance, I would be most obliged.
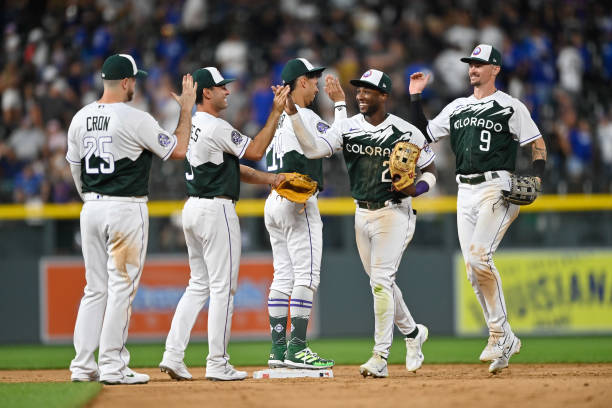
(221, 196)
(376, 205)
(477, 179)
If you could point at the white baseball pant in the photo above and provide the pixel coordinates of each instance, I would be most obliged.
(482, 220)
(212, 234)
(382, 236)
(296, 237)
(114, 234)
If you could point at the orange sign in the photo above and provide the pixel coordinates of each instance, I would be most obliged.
(163, 282)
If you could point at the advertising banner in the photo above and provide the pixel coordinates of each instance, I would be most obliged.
(163, 282)
(546, 292)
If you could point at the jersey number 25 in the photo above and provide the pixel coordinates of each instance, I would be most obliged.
(99, 148)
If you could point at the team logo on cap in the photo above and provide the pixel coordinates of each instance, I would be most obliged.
(163, 140)
(367, 73)
(476, 51)
(236, 137)
(322, 127)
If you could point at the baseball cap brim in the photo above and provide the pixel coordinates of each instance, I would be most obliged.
(472, 59)
(225, 81)
(141, 74)
(366, 84)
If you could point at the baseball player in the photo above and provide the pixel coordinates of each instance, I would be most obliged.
(485, 131)
(384, 219)
(110, 147)
(296, 230)
(210, 223)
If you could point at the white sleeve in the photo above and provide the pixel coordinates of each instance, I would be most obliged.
(230, 140)
(340, 111)
(522, 126)
(75, 169)
(154, 138)
(312, 141)
(73, 155)
(426, 157)
(439, 126)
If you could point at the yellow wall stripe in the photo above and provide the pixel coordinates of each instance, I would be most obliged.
(327, 206)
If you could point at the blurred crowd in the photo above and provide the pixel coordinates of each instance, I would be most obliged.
(557, 58)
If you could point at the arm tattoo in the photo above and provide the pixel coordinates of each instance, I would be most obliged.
(538, 151)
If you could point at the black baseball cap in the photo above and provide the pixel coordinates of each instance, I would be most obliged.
(121, 66)
(297, 67)
(209, 77)
(486, 54)
(375, 79)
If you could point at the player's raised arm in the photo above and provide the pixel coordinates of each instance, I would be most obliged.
(336, 94)
(183, 128)
(416, 116)
(313, 147)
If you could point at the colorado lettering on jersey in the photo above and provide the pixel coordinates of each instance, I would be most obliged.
(97, 123)
(477, 122)
(367, 150)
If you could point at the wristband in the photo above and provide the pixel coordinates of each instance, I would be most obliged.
(420, 188)
(416, 97)
(538, 168)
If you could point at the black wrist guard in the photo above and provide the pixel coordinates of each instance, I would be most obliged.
(538, 168)
(415, 97)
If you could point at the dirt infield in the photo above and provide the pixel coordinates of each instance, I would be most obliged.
(456, 385)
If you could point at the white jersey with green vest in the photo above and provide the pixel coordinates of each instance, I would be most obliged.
(285, 155)
(366, 149)
(114, 144)
(485, 133)
(212, 165)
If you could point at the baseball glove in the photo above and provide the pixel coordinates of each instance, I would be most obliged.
(402, 164)
(523, 190)
(296, 187)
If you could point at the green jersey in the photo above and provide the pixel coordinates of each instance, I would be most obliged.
(114, 143)
(211, 166)
(366, 149)
(485, 133)
(285, 155)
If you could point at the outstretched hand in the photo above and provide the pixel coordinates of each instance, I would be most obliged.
(418, 82)
(280, 97)
(333, 89)
(188, 95)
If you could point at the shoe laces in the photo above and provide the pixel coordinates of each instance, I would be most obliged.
(494, 339)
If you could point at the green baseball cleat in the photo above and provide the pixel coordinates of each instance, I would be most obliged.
(306, 358)
(277, 356)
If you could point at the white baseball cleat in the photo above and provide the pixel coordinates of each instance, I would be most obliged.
(414, 354)
(128, 376)
(227, 373)
(509, 350)
(176, 370)
(376, 367)
(496, 345)
(85, 377)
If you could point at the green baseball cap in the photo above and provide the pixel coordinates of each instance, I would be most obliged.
(209, 77)
(486, 54)
(375, 79)
(121, 66)
(297, 67)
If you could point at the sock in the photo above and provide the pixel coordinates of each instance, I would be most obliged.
(413, 334)
(301, 305)
(278, 309)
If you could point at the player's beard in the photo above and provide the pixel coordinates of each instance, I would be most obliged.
(371, 109)
(130, 95)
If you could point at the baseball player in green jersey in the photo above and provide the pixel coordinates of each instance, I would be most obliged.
(210, 223)
(384, 219)
(295, 229)
(485, 132)
(110, 148)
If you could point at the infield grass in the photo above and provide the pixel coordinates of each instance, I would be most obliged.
(343, 351)
(49, 395)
